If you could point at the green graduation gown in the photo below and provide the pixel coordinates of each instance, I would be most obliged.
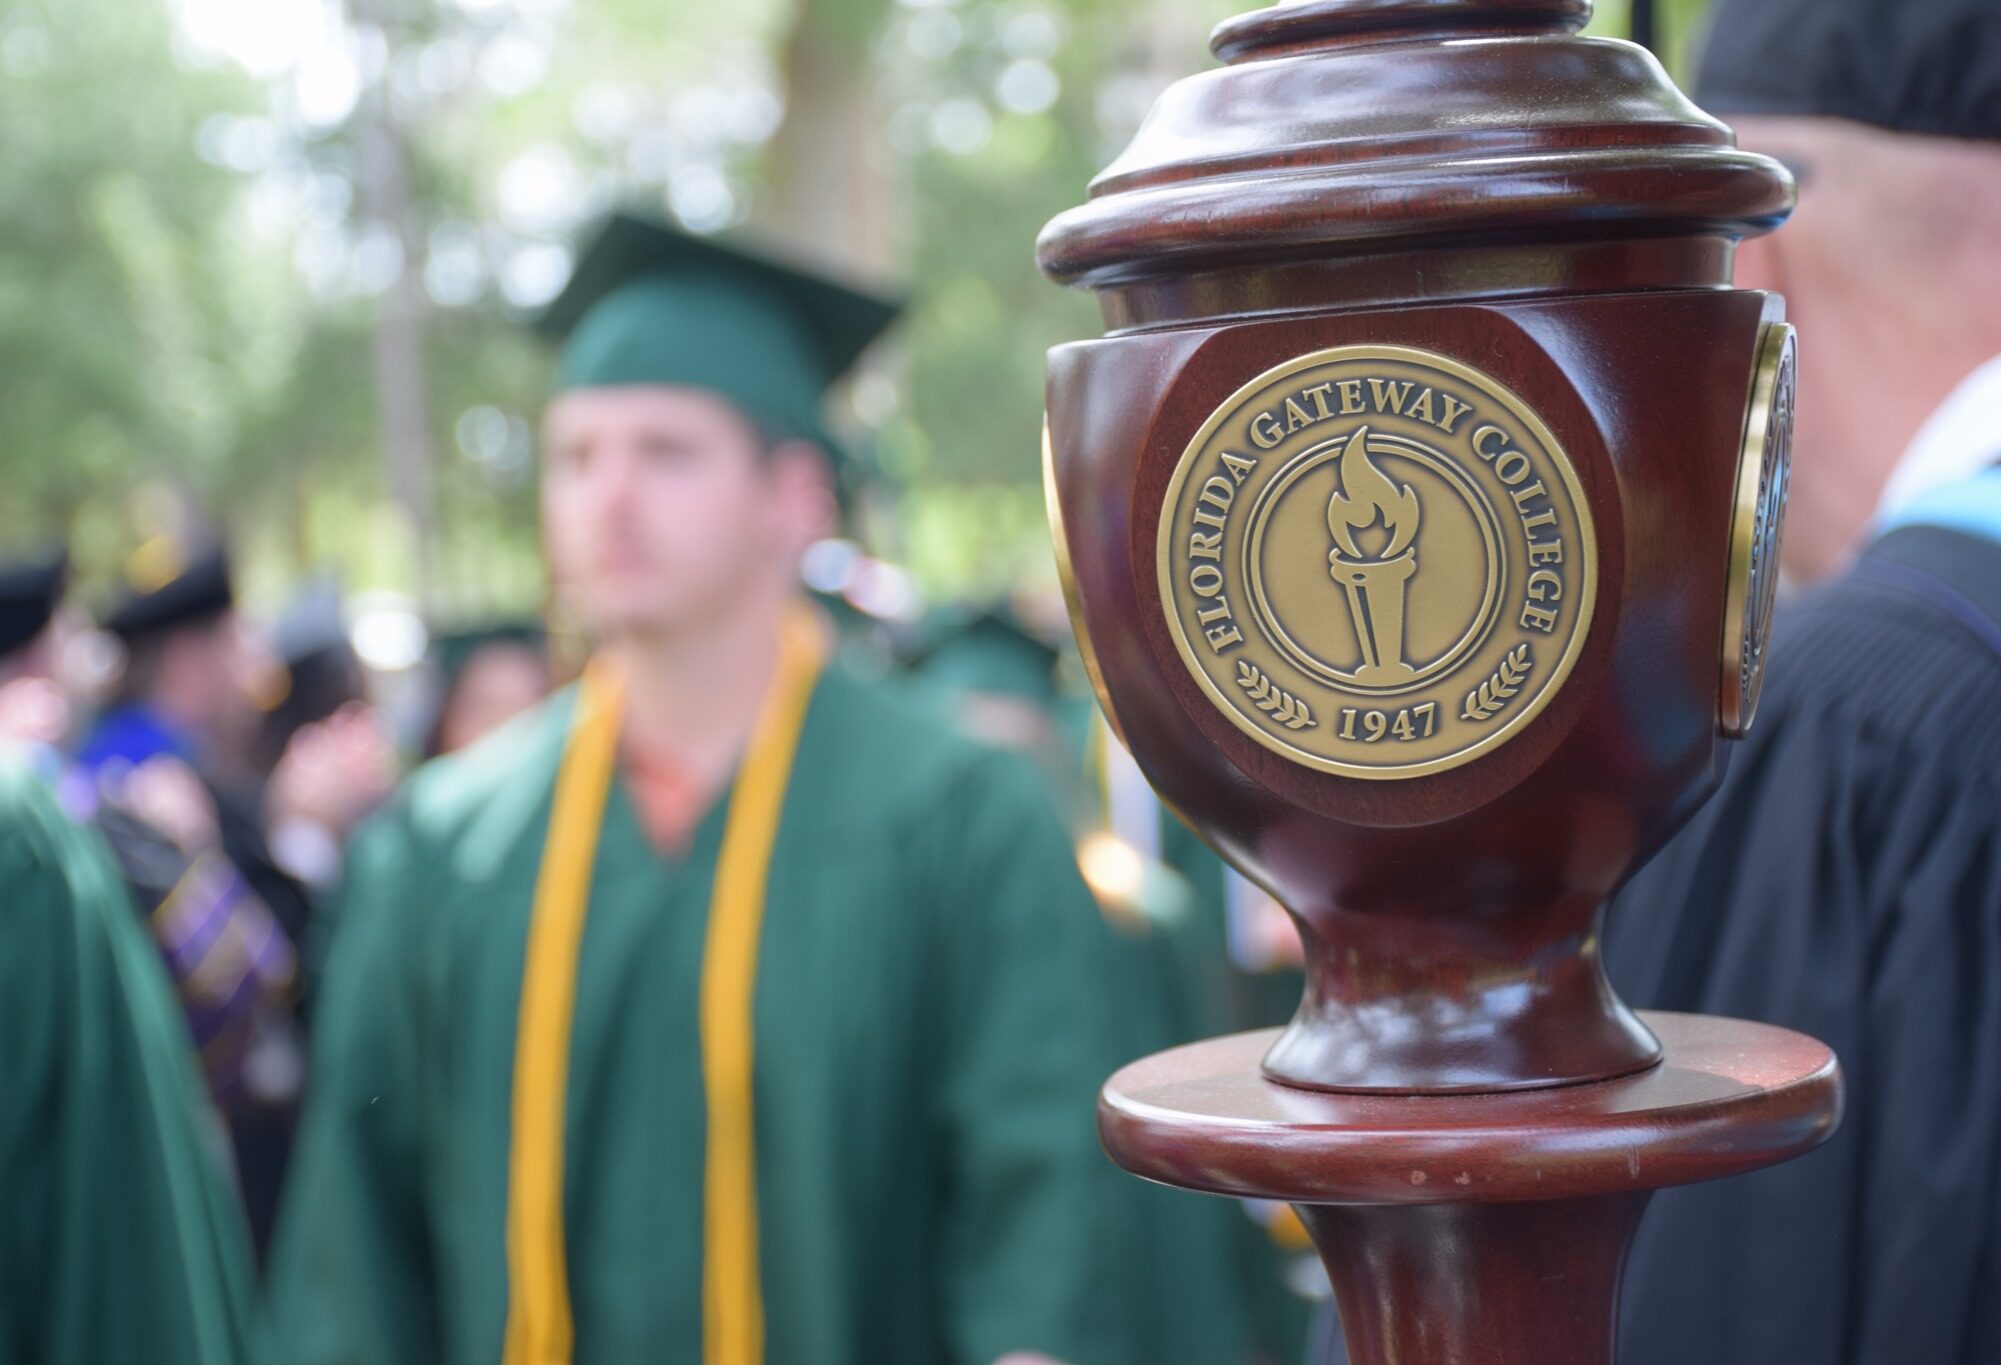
(1215, 1278)
(120, 1239)
(929, 1040)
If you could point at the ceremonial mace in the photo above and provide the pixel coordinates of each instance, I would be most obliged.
(1419, 513)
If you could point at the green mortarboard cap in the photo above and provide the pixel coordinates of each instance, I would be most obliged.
(313, 623)
(452, 650)
(650, 304)
(989, 652)
(31, 589)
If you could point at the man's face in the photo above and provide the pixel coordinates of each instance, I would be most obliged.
(659, 505)
(1888, 266)
(208, 670)
(1838, 465)
(497, 683)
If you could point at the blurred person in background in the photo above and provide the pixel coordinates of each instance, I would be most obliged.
(1207, 1280)
(189, 844)
(725, 1007)
(1846, 879)
(266, 752)
(313, 673)
(34, 710)
(487, 676)
(230, 963)
(181, 702)
(1888, 113)
(999, 680)
(120, 1237)
(330, 756)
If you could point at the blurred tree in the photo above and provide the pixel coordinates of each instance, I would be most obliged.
(136, 335)
(272, 251)
(1004, 111)
(1675, 26)
(402, 385)
(830, 188)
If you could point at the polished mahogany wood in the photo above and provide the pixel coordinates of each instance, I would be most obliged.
(1484, 1229)
(1467, 177)
(1466, 1115)
(1536, 1284)
(1729, 1096)
(1350, 128)
(1471, 895)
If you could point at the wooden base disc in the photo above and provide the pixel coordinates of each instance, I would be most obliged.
(1728, 1097)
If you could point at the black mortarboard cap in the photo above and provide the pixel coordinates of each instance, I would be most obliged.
(1913, 66)
(30, 591)
(169, 584)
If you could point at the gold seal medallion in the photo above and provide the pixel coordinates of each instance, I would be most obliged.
(1377, 561)
(1764, 468)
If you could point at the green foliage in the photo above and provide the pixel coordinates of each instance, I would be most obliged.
(1679, 23)
(985, 177)
(129, 327)
(195, 261)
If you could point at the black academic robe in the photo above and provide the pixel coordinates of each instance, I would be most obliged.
(1846, 881)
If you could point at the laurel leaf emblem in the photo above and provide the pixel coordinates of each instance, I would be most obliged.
(1484, 701)
(1274, 701)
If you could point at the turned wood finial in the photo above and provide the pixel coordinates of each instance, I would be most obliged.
(1299, 25)
(1411, 514)
(1351, 128)
(1496, 253)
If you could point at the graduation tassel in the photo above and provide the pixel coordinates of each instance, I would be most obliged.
(732, 1299)
(540, 1329)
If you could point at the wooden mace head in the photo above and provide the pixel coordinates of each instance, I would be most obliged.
(1388, 152)
(1420, 508)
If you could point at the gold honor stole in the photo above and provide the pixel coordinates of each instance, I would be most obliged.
(539, 1326)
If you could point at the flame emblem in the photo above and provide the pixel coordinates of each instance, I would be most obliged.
(1375, 584)
(1365, 496)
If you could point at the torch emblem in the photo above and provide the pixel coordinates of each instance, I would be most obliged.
(1377, 583)
(1376, 561)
